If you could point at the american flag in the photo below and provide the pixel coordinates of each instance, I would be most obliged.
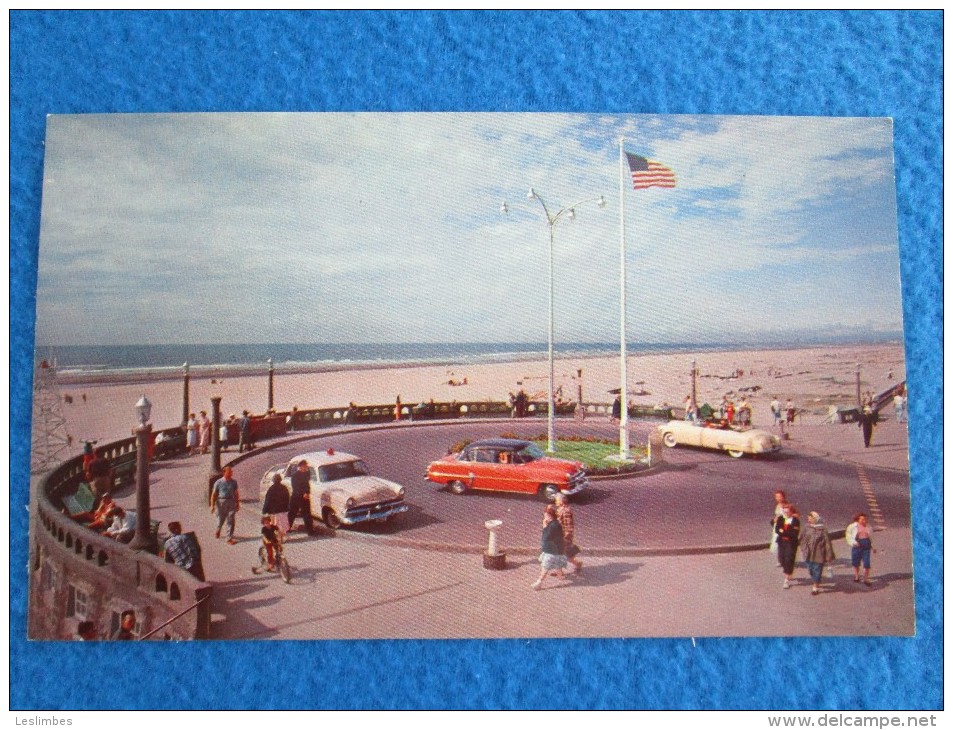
(649, 173)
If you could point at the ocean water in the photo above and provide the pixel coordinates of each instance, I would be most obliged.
(105, 359)
(78, 360)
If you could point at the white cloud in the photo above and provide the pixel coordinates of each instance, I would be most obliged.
(376, 226)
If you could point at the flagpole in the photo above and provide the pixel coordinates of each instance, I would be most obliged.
(624, 453)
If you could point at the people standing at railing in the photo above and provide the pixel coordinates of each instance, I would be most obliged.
(244, 432)
(223, 432)
(192, 434)
(225, 502)
(205, 432)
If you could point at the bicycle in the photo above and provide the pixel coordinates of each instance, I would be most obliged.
(282, 564)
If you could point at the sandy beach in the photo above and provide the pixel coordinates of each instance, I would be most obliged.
(813, 378)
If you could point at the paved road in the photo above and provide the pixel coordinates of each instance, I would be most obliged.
(701, 499)
(346, 588)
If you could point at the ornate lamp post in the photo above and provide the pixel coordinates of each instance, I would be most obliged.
(552, 219)
(694, 402)
(857, 374)
(185, 393)
(216, 469)
(271, 384)
(143, 536)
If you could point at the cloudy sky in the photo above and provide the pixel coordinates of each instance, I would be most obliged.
(238, 228)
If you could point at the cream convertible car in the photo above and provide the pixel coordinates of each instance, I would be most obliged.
(735, 441)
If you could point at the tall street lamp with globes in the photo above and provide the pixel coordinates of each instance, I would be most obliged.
(552, 219)
(143, 537)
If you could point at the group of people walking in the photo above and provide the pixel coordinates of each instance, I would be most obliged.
(789, 534)
(558, 547)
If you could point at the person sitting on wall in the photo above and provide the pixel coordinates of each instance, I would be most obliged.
(100, 516)
(184, 551)
(123, 527)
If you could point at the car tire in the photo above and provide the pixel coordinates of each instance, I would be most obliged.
(734, 453)
(548, 492)
(456, 487)
(330, 518)
(668, 438)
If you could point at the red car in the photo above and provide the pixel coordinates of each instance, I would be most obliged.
(508, 465)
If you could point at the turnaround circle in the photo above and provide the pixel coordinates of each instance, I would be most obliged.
(697, 501)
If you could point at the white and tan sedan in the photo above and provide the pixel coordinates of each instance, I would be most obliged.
(736, 441)
(343, 492)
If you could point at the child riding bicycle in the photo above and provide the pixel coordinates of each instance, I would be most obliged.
(271, 541)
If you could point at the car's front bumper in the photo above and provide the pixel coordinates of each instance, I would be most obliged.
(367, 512)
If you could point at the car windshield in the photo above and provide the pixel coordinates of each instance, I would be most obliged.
(529, 453)
(342, 470)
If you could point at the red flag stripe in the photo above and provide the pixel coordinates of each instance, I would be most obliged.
(649, 173)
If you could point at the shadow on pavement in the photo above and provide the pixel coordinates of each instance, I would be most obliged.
(595, 576)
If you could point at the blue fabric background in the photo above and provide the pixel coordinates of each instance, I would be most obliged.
(788, 63)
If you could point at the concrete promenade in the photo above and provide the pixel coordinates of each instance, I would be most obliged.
(362, 588)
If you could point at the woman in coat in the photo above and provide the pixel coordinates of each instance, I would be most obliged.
(551, 557)
(816, 548)
(277, 502)
(779, 500)
(788, 529)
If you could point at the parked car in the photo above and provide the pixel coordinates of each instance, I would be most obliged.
(343, 492)
(736, 441)
(508, 465)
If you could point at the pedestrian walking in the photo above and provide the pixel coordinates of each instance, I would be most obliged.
(225, 502)
(868, 418)
(790, 412)
(776, 410)
(277, 502)
(301, 497)
(616, 410)
(816, 548)
(779, 500)
(788, 529)
(567, 521)
(552, 558)
(858, 538)
(898, 406)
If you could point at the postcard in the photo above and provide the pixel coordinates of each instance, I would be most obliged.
(468, 375)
